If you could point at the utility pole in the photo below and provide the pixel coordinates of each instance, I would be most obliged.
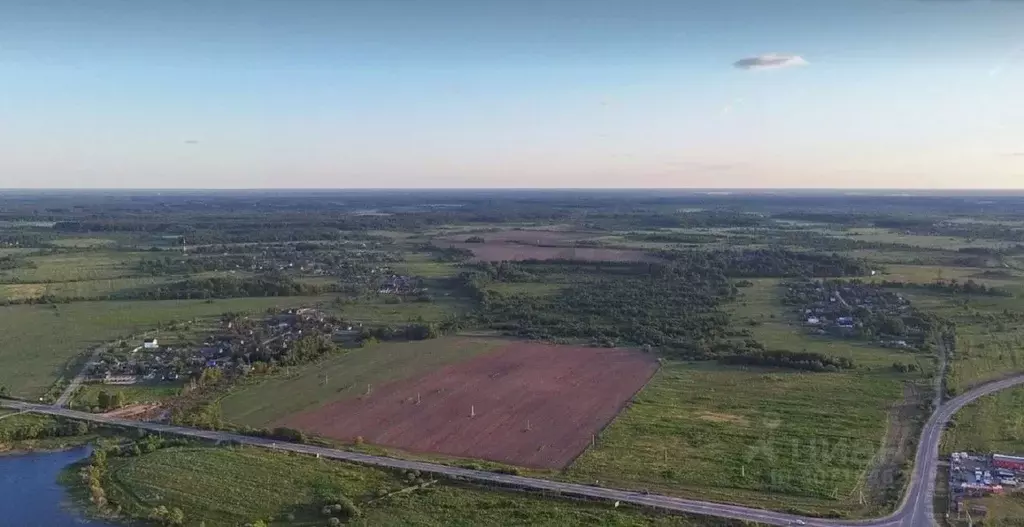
(472, 411)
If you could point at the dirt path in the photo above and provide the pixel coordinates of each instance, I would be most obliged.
(881, 484)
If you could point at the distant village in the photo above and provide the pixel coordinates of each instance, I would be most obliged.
(854, 309)
(235, 347)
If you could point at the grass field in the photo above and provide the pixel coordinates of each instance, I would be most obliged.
(83, 242)
(221, 486)
(380, 312)
(80, 288)
(928, 242)
(347, 375)
(771, 438)
(38, 342)
(74, 266)
(768, 438)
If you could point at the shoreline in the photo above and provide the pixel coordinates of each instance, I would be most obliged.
(22, 449)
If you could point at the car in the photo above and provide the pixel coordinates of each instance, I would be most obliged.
(799, 522)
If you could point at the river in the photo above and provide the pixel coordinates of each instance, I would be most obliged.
(30, 495)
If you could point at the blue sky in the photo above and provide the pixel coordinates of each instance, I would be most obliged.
(525, 93)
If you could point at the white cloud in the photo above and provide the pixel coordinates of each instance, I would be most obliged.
(770, 61)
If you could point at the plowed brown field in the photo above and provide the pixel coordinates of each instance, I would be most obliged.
(528, 404)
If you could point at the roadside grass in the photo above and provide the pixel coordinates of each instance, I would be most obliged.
(768, 438)
(236, 486)
(88, 395)
(994, 423)
(347, 375)
(38, 342)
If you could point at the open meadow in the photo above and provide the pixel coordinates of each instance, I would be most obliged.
(236, 486)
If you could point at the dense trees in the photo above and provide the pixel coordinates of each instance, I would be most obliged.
(38, 427)
(773, 262)
(970, 287)
(790, 359)
(109, 401)
(227, 287)
(668, 306)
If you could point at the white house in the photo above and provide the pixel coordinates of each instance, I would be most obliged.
(150, 344)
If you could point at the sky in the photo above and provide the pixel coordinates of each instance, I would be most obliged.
(512, 94)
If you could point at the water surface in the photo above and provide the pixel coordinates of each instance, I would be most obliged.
(30, 495)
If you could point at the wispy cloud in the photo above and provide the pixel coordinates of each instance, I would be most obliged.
(732, 105)
(770, 61)
(1010, 58)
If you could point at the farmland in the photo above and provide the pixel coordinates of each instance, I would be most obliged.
(241, 485)
(429, 323)
(345, 376)
(529, 405)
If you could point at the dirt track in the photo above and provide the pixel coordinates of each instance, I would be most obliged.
(527, 404)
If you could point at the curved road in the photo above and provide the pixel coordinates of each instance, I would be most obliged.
(916, 510)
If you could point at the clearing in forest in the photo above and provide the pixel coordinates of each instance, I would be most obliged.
(528, 404)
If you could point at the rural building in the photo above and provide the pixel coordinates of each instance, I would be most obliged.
(120, 379)
(150, 344)
(1008, 462)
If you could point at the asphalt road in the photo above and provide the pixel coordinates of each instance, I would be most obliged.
(916, 510)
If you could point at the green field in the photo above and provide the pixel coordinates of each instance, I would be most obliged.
(994, 423)
(347, 375)
(379, 312)
(80, 288)
(767, 438)
(770, 438)
(74, 266)
(37, 342)
(83, 242)
(234, 486)
(916, 240)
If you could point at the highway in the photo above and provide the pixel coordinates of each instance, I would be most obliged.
(916, 509)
